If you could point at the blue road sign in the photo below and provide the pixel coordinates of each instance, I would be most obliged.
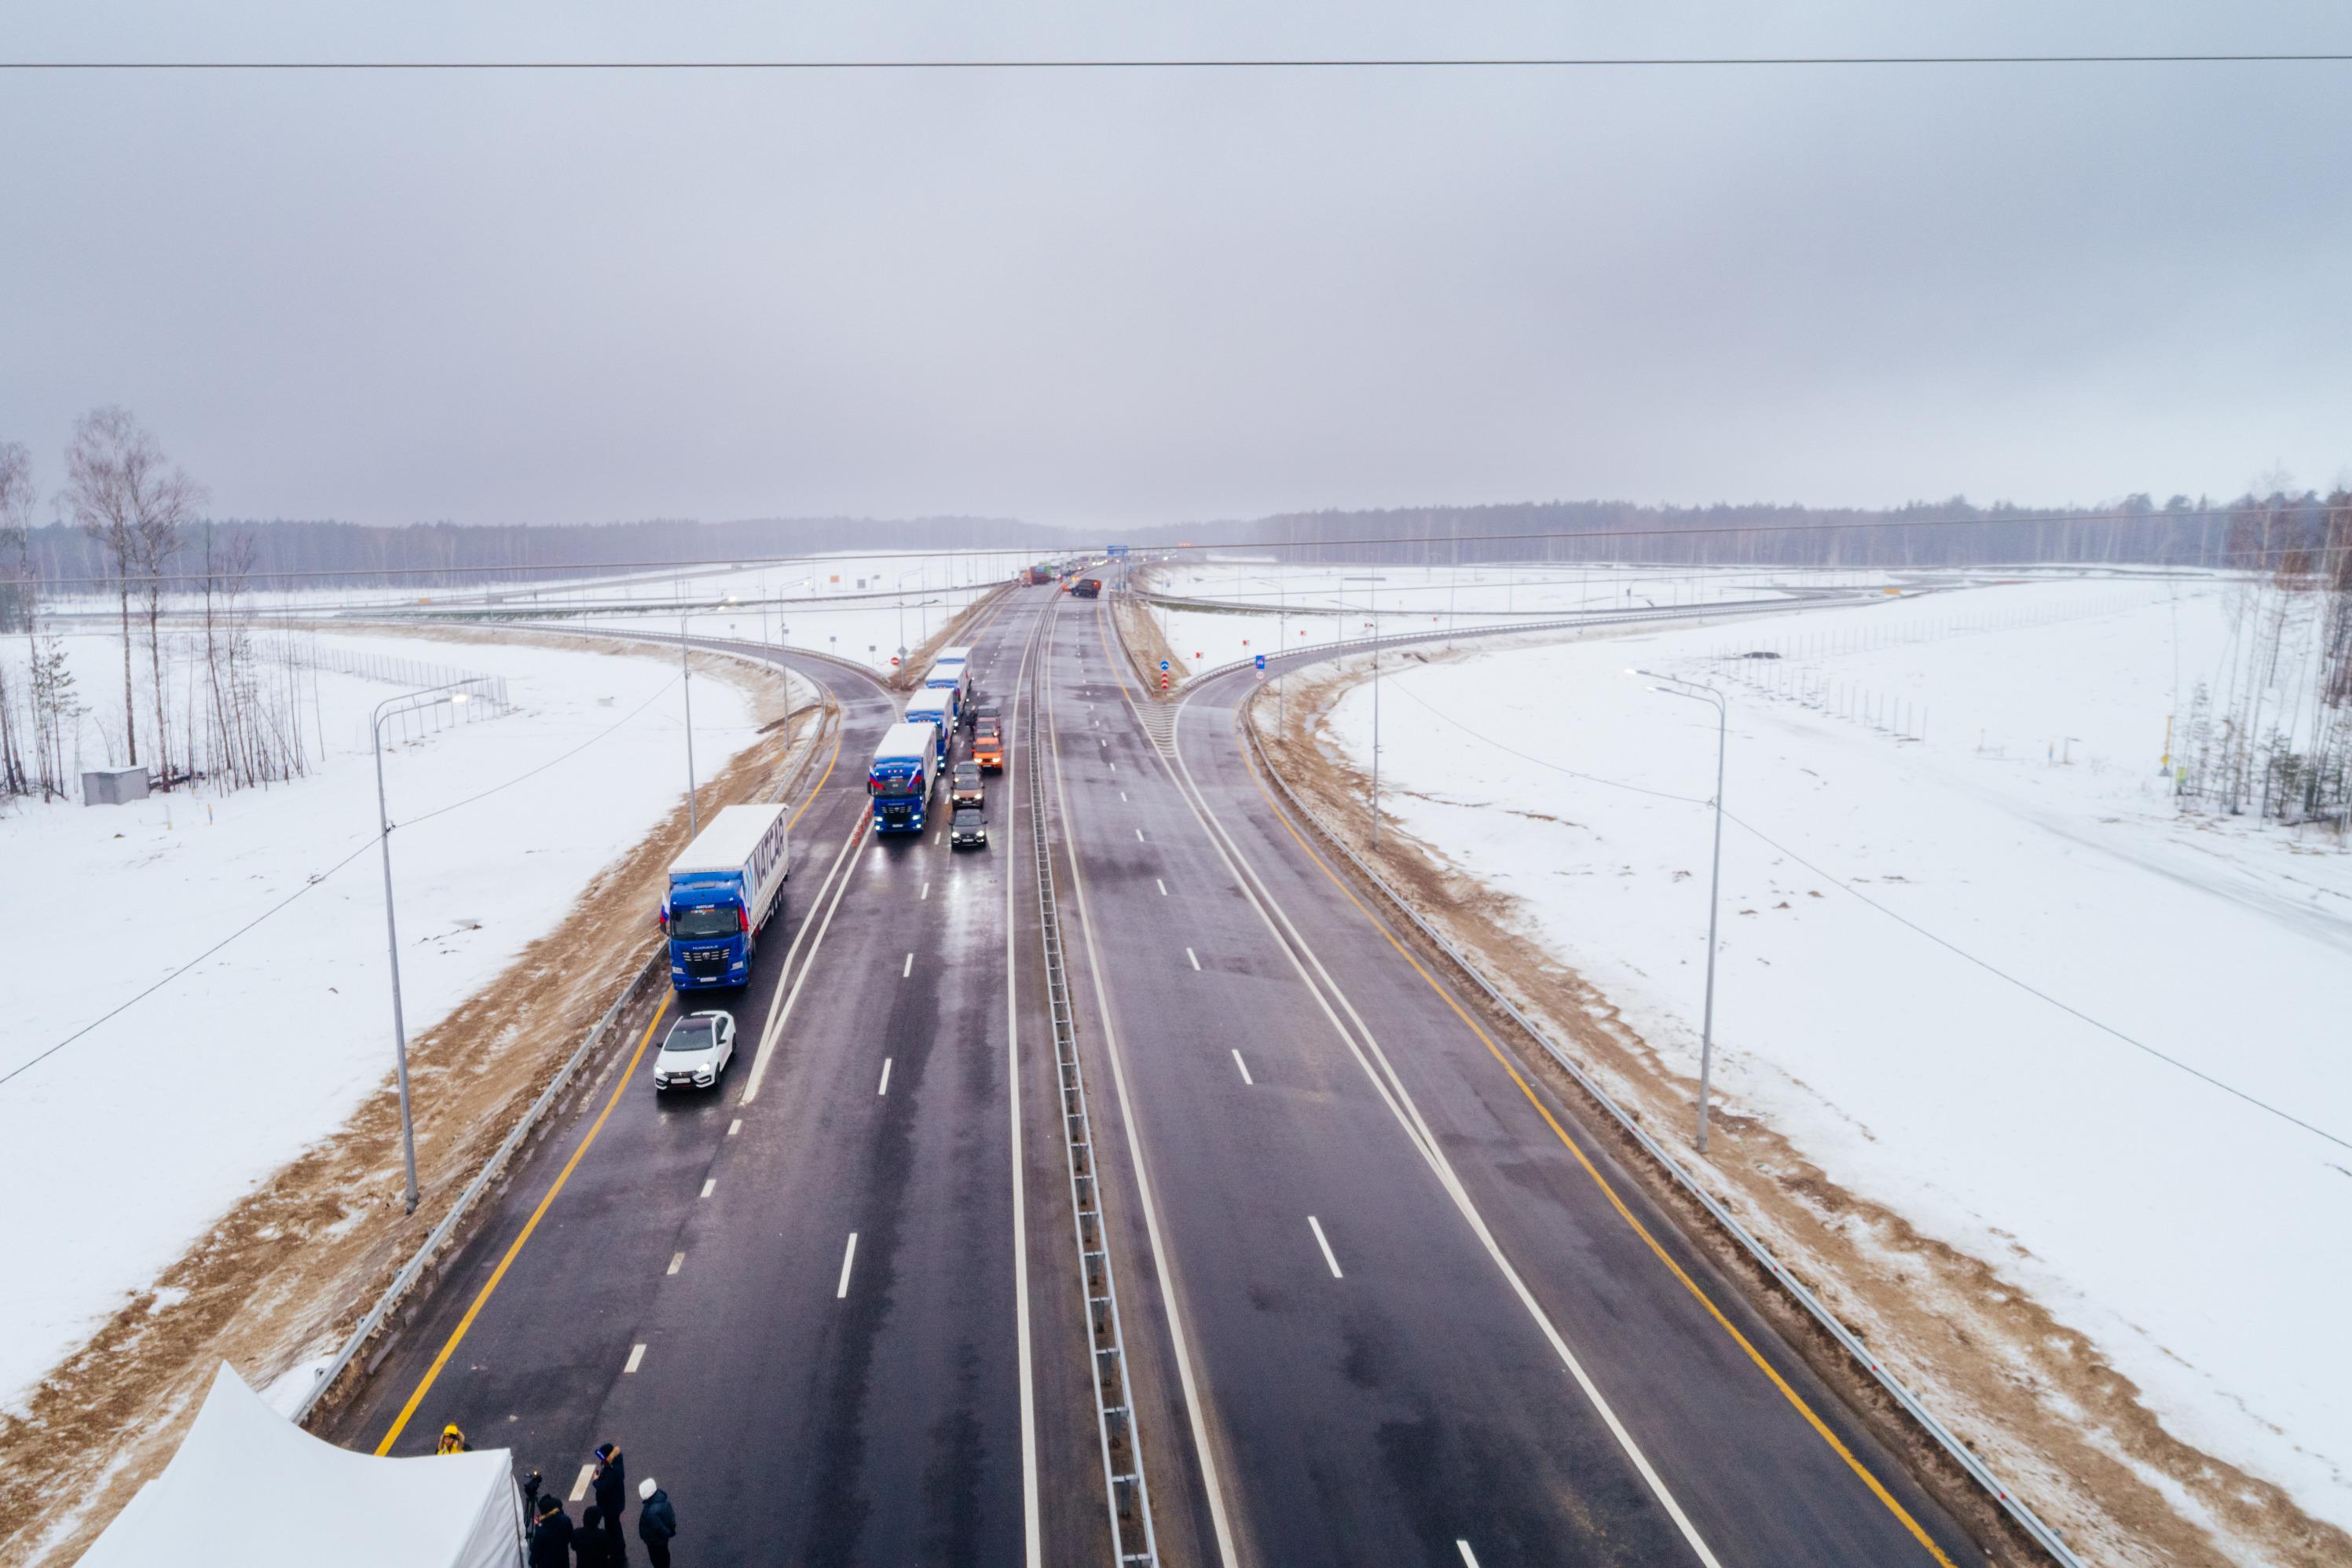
(1163, 664)
(1114, 549)
(1261, 661)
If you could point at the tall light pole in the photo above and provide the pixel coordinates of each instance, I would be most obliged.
(686, 683)
(1697, 692)
(432, 696)
(1372, 598)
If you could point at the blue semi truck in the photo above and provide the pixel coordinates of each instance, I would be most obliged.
(900, 778)
(723, 887)
(938, 705)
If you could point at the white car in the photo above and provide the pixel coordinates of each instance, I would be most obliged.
(695, 1050)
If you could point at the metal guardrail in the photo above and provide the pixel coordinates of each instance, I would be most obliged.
(2043, 1534)
(1132, 1538)
(655, 968)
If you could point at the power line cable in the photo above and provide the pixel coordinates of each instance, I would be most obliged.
(315, 881)
(2028, 987)
(1196, 64)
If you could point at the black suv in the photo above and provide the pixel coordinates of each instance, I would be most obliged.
(968, 829)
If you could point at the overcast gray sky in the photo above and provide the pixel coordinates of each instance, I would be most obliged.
(1135, 297)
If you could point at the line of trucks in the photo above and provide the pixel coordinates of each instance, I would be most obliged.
(729, 883)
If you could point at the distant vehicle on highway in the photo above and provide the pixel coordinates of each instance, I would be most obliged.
(1040, 575)
(964, 787)
(937, 706)
(968, 829)
(898, 780)
(1086, 588)
(723, 887)
(695, 1050)
(988, 751)
(953, 677)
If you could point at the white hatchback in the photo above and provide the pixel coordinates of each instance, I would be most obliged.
(695, 1050)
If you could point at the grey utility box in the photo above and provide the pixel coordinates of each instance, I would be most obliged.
(113, 787)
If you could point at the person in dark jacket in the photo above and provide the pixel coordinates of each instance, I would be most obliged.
(551, 1536)
(656, 1522)
(597, 1542)
(610, 1483)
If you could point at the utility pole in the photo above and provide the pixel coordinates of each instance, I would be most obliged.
(1697, 692)
(412, 702)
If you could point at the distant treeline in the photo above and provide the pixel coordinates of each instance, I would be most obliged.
(2181, 530)
(296, 554)
(2250, 532)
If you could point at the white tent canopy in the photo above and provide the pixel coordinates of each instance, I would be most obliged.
(249, 1486)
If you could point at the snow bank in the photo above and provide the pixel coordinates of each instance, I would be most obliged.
(124, 1145)
(2203, 1242)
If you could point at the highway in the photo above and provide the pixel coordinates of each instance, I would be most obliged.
(1383, 1300)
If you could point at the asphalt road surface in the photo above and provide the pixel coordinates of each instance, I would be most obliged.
(1384, 1301)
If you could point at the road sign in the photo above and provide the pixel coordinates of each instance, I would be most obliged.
(1114, 549)
(1261, 661)
(1163, 667)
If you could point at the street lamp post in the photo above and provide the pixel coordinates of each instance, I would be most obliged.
(432, 696)
(686, 685)
(1676, 687)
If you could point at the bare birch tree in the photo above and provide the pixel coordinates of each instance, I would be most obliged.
(15, 600)
(124, 495)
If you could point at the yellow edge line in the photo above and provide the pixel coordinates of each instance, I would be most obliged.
(1859, 1469)
(457, 1336)
(466, 1322)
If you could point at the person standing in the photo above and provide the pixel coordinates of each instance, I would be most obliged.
(453, 1441)
(551, 1536)
(656, 1522)
(610, 1483)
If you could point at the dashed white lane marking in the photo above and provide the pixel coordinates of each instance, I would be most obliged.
(710, 1186)
(1122, 794)
(637, 1358)
(588, 1470)
(1316, 1226)
(677, 1262)
(885, 1088)
(926, 890)
(1469, 1558)
(1237, 1062)
(1162, 886)
(847, 1257)
(734, 1127)
(1114, 767)
(1139, 833)
(1193, 956)
(909, 969)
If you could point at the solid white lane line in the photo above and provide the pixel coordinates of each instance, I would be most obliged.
(909, 968)
(848, 1256)
(1469, 1558)
(637, 1358)
(734, 1127)
(773, 1029)
(677, 1262)
(1390, 1088)
(708, 1185)
(1193, 956)
(1162, 886)
(1203, 1451)
(588, 1470)
(1032, 1507)
(1316, 1226)
(885, 1088)
(1245, 1067)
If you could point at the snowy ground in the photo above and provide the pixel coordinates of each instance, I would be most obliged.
(2203, 1242)
(1255, 608)
(126, 1144)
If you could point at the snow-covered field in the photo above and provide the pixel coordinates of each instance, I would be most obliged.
(123, 1145)
(2203, 1241)
(1257, 607)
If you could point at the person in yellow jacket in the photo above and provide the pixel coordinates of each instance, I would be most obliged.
(452, 1441)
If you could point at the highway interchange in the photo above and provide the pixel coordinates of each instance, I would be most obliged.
(1383, 1299)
